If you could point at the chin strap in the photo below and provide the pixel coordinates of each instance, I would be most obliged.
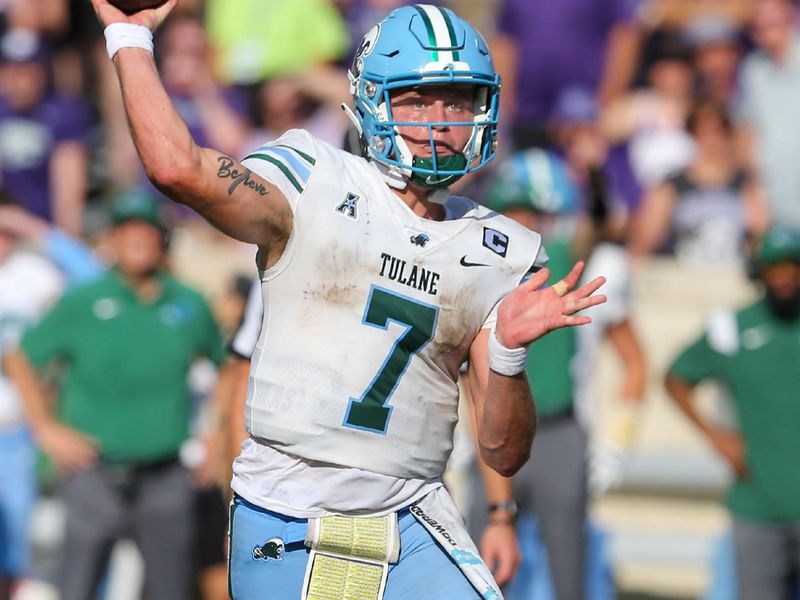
(393, 177)
(397, 181)
(352, 116)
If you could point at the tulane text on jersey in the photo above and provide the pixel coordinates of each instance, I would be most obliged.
(413, 276)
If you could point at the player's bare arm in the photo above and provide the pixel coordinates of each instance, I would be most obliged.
(231, 197)
(505, 415)
(498, 543)
(504, 408)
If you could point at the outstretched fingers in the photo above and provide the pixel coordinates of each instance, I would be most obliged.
(578, 304)
(589, 288)
(162, 12)
(106, 13)
(573, 320)
(537, 280)
(565, 285)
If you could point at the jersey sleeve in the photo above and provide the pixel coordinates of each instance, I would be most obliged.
(244, 342)
(708, 357)
(539, 263)
(696, 363)
(288, 163)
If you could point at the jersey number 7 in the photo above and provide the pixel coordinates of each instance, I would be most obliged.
(371, 412)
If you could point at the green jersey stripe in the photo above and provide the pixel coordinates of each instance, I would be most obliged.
(429, 27)
(284, 169)
(309, 159)
(452, 32)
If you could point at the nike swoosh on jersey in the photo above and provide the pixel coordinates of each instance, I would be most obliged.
(464, 263)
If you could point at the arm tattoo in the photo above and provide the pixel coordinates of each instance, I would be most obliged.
(226, 171)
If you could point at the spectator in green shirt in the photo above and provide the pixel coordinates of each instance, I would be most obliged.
(124, 344)
(755, 353)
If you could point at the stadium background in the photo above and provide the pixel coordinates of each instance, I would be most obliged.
(665, 520)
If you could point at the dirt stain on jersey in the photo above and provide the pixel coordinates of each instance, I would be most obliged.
(336, 278)
(456, 328)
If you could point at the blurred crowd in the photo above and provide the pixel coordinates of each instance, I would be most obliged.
(629, 129)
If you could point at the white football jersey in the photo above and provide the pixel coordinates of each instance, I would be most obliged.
(29, 284)
(369, 313)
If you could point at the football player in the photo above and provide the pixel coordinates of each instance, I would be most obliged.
(377, 284)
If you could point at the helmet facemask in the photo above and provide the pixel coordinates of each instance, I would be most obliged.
(438, 169)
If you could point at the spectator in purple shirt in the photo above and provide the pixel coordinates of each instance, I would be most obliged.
(545, 47)
(41, 135)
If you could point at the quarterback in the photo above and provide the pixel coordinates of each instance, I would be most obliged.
(377, 285)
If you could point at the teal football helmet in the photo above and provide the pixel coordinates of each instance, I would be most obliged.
(414, 46)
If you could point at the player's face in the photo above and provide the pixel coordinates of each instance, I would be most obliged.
(782, 279)
(138, 247)
(441, 104)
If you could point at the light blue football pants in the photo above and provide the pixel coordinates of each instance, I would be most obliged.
(17, 499)
(423, 571)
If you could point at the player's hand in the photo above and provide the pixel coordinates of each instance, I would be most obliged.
(731, 446)
(150, 18)
(69, 449)
(530, 311)
(500, 551)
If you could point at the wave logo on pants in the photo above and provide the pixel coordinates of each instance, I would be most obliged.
(273, 549)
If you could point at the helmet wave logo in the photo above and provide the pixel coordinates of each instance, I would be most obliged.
(369, 42)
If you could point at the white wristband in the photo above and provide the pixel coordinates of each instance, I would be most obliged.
(505, 361)
(127, 35)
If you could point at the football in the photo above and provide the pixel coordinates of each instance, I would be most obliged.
(132, 6)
